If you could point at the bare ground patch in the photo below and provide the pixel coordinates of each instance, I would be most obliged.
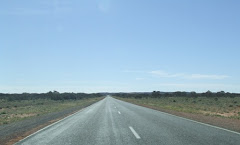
(227, 123)
(13, 132)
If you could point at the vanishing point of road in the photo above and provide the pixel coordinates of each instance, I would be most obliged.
(114, 122)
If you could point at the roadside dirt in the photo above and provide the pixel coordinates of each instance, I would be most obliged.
(11, 133)
(227, 123)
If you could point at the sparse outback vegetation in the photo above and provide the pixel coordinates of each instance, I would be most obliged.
(215, 104)
(18, 107)
(12, 111)
(223, 107)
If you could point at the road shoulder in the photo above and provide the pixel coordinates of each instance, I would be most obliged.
(11, 133)
(226, 123)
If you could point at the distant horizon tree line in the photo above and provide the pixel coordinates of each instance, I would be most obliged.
(158, 94)
(53, 95)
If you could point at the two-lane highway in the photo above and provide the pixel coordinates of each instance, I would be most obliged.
(114, 122)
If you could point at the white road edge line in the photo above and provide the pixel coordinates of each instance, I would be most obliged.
(119, 112)
(203, 123)
(57, 122)
(187, 119)
(134, 132)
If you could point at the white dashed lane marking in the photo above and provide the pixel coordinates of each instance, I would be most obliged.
(134, 132)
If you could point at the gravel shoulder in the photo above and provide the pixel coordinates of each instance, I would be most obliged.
(227, 123)
(11, 133)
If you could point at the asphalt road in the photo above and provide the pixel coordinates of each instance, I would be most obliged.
(114, 122)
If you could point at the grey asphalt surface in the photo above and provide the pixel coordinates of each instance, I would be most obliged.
(108, 122)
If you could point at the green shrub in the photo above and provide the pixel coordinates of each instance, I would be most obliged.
(5, 122)
(3, 113)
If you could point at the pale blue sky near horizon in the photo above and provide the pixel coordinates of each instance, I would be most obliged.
(119, 45)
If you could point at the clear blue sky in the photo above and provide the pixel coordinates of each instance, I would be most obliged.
(119, 45)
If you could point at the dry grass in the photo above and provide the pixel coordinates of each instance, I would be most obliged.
(221, 107)
(12, 111)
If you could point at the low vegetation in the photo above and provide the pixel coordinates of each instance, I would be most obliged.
(211, 104)
(15, 107)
